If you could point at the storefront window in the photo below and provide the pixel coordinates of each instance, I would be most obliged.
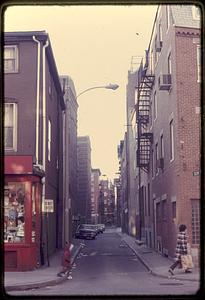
(33, 213)
(14, 213)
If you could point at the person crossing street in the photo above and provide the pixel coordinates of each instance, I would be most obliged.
(181, 249)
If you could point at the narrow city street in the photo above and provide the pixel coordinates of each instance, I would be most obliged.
(107, 266)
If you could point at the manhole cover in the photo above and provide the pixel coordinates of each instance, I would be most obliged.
(171, 283)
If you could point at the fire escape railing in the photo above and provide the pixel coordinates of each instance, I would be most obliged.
(145, 138)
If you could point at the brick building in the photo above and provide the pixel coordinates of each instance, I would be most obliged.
(168, 126)
(33, 150)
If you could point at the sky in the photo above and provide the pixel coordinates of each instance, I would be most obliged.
(94, 45)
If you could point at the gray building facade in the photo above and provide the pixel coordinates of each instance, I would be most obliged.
(83, 208)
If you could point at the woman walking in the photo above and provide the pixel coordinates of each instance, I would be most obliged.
(181, 249)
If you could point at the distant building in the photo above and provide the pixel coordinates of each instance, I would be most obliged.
(130, 152)
(117, 184)
(95, 191)
(83, 208)
(70, 154)
(107, 202)
(33, 143)
(124, 184)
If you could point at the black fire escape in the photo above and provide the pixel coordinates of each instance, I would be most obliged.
(145, 138)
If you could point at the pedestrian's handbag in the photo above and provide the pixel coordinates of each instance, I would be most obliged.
(186, 261)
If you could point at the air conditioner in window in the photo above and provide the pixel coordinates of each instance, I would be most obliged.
(160, 163)
(165, 82)
(158, 46)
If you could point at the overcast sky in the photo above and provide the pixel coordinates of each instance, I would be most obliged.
(94, 45)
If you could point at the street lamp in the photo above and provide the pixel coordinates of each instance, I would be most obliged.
(111, 86)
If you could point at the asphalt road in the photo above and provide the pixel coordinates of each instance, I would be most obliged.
(107, 266)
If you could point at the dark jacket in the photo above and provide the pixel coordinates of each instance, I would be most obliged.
(181, 247)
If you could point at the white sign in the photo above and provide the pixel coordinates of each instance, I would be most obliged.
(196, 173)
(48, 205)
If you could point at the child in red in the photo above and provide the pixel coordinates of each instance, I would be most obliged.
(65, 260)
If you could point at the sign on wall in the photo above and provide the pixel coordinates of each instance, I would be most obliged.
(48, 205)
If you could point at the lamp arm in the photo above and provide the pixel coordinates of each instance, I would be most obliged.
(95, 87)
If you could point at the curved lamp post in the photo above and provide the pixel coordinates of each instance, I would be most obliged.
(109, 86)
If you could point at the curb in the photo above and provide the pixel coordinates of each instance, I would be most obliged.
(37, 285)
(150, 270)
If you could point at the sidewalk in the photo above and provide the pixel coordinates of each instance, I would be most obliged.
(156, 263)
(43, 276)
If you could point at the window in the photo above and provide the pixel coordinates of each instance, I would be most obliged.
(10, 126)
(156, 158)
(148, 198)
(10, 59)
(169, 69)
(155, 51)
(14, 212)
(152, 163)
(195, 221)
(145, 200)
(196, 13)
(168, 16)
(171, 132)
(174, 209)
(155, 106)
(198, 63)
(162, 145)
(152, 62)
(158, 214)
(164, 210)
(160, 32)
(49, 140)
(33, 238)
(151, 114)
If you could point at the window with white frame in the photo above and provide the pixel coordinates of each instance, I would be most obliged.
(171, 133)
(160, 32)
(196, 13)
(10, 126)
(155, 51)
(195, 221)
(169, 67)
(198, 63)
(49, 140)
(167, 16)
(10, 59)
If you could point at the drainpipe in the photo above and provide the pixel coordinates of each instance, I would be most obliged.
(37, 100)
(44, 136)
(44, 105)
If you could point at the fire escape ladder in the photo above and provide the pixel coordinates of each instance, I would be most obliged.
(143, 112)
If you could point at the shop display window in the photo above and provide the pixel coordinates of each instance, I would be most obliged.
(33, 213)
(14, 213)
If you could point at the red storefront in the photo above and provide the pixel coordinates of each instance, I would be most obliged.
(22, 211)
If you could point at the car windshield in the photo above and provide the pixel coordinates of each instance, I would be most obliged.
(86, 226)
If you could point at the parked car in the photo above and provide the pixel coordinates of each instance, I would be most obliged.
(86, 231)
(101, 227)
